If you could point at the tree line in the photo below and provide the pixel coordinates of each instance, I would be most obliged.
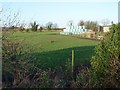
(54, 26)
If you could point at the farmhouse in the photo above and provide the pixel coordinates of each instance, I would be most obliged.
(69, 30)
(105, 28)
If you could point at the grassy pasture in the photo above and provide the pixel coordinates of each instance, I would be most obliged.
(52, 50)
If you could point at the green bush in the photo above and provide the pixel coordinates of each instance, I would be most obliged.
(106, 61)
(82, 79)
(15, 63)
(68, 70)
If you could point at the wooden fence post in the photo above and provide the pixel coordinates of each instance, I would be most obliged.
(72, 60)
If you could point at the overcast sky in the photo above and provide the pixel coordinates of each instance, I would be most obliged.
(62, 12)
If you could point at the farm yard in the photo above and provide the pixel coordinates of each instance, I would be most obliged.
(47, 60)
(52, 50)
(59, 45)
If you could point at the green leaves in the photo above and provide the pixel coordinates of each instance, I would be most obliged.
(106, 58)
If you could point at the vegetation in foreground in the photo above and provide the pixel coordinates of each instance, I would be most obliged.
(18, 71)
(56, 59)
(106, 61)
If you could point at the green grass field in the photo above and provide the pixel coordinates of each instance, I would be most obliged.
(55, 54)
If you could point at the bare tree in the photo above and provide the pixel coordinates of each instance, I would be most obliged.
(81, 23)
(49, 25)
(22, 26)
(13, 68)
(9, 18)
(0, 51)
(70, 23)
(54, 25)
(91, 25)
(105, 22)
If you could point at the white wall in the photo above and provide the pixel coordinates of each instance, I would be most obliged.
(106, 29)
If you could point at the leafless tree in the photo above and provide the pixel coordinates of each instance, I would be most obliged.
(81, 23)
(91, 25)
(70, 23)
(55, 25)
(9, 18)
(105, 21)
(49, 25)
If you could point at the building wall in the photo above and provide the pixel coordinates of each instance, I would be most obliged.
(106, 29)
(100, 29)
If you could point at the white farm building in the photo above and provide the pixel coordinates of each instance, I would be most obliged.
(69, 30)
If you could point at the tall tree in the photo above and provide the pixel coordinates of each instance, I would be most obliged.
(81, 23)
(34, 26)
(91, 25)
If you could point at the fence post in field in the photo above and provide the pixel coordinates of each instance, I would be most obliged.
(72, 60)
